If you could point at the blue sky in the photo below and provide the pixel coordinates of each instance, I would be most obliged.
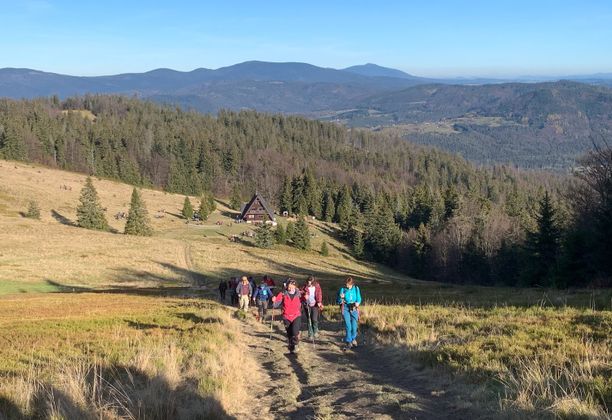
(426, 38)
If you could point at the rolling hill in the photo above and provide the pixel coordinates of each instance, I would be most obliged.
(534, 125)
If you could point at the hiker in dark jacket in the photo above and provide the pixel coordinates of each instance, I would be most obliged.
(291, 302)
(262, 296)
(222, 290)
(232, 288)
(349, 299)
(313, 304)
(244, 291)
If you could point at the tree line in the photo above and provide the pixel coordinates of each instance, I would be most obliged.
(425, 212)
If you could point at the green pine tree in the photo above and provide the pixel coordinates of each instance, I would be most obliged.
(90, 214)
(207, 205)
(286, 197)
(264, 237)
(280, 235)
(33, 210)
(187, 211)
(357, 245)
(236, 198)
(382, 234)
(542, 245)
(344, 206)
(138, 218)
(324, 249)
(289, 231)
(329, 207)
(301, 235)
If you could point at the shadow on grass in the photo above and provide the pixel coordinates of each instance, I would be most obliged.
(126, 391)
(62, 219)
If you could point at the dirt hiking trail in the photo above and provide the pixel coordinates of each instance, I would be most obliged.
(325, 382)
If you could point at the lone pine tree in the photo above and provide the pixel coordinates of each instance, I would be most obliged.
(33, 210)
(138, 218)
(90, 214)
(187, 211)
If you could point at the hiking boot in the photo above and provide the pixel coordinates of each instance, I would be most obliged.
(348, 346)
(354, 343)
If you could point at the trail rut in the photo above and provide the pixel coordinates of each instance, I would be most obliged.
(323, 381)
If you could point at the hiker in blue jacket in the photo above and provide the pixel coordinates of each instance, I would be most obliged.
(349, 299)
(262, 296)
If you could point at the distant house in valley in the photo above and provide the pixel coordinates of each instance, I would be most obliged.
(257, 210)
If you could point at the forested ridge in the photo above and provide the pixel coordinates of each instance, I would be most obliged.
(425, 212)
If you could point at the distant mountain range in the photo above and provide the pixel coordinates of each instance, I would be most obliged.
(487, 120)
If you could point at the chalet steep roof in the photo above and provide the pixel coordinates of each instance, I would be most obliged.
(263, 202)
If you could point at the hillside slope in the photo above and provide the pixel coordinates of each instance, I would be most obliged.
(52, 254)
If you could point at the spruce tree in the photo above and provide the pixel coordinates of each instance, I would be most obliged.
(300, 203)
(33, 210)
(280, 235)
(138, 218)
(344, 205)
(382, 235)
(542, 245)
(357, 244)
(451, 202)
(324, 249)
(90, 214)
(264, 237)
(329, 207)
(289, 231)
(187, 211)
(236, 198)
(301, 235)
(207, 205)
(422, 249)
(286, 197)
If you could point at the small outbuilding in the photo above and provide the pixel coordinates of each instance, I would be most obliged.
(257, 210)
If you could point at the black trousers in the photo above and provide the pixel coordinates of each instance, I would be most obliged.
(293, 331)
(312, 314)
(222, 293)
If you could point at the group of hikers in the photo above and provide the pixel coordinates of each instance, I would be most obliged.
(296, 303)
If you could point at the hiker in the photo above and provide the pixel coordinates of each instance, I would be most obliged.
(313, 304)
(244, 291)
(233, 283)
(349, 299)
(261, 296)
(291, 302)
(270, 283)
(222, 290)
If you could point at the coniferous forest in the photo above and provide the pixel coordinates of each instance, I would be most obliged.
(425, 212)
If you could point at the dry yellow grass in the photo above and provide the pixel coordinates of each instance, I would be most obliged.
(119, 356)
(51, 251)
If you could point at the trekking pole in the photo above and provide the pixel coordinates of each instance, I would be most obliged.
(271, 324)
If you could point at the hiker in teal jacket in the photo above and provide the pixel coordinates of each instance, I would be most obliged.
(349, 299)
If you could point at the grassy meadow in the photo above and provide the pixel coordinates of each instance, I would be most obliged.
(85, 355)
(104, 325)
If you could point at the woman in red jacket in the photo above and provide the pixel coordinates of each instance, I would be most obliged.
(291, 302)
(313, 303)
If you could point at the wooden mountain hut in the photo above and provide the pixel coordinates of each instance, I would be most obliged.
(257, 210)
